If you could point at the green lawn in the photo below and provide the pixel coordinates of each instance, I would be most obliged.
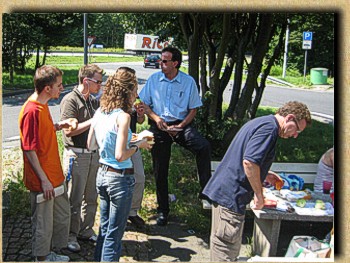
(70, 66)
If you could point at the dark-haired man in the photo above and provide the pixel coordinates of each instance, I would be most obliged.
(173, 100)
(241, 172)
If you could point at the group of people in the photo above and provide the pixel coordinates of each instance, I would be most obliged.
(99, 160)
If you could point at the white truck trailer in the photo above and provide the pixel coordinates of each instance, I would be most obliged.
(144, 43)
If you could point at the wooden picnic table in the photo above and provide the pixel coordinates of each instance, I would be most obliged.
(267, 224)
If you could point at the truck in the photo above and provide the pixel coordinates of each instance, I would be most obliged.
(144, 43)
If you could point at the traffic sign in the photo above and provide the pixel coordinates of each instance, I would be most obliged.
(307, 36)
(307, 44)
(91, 39)
(307, 40)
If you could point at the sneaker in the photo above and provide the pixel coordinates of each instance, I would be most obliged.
(206, 204)
(92, 238)
(53, 257)
(162, 219)
(137, 221)
(73, 246)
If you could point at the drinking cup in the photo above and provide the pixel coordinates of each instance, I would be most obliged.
(327, 185)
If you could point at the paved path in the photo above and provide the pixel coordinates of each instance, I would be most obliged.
(174, 242)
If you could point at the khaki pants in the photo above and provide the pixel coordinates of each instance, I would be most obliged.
(226, 234)
(139, 174)
(50, 224)
(82, 192)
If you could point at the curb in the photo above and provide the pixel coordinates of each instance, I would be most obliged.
(19, 92)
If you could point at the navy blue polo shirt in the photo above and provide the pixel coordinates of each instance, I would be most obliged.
(255, 142)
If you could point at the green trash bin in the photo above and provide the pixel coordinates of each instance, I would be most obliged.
(319, 76)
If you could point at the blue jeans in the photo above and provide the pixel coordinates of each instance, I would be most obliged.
(115, 191)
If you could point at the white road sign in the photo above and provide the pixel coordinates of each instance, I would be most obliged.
(307, 44)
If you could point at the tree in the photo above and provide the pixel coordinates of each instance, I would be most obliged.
(220, 47)
(49, 25)
(322, 52)
(25, 32)
(17, 42)
(227, 38)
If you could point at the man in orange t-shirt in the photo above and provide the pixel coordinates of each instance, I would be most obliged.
(42, 166)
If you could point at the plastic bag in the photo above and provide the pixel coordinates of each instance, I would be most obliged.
(307, 247)
(292, 182)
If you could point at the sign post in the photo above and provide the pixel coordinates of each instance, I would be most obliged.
(307, 44)
(91, 40)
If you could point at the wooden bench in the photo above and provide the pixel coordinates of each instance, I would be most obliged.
(307, 171)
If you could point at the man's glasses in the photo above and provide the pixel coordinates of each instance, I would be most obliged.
(298, 128)
(96, 81)
(166, 61)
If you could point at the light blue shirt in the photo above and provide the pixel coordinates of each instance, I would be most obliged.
(106, 131)
(171, 99)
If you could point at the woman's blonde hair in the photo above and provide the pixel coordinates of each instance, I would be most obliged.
(118, 89)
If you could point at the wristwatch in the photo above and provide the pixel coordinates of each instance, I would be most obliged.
(135, 146)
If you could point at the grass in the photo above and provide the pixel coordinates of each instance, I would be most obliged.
(81, 49)
(70, 66)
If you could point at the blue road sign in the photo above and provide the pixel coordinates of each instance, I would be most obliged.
(307, 36)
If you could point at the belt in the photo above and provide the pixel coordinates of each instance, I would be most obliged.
(119, 171)
(81, 150)
(170, 123)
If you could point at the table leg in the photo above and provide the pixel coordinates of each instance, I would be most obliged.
(265, 236)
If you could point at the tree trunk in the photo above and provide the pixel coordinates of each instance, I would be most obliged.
(260, 90)
(193, 50)
(255, 66)
(203, 71)
(45, 54)
(190, 29)
(244, 37)
(216, 71)
(37, 62)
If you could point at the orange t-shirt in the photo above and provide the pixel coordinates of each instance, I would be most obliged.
(37, 132)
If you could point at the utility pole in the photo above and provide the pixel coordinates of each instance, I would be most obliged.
(285, 57)
(85, 39)
(305, 62)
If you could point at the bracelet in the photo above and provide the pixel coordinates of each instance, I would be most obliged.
(135, 146)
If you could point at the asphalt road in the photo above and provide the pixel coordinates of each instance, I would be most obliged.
(319, 102)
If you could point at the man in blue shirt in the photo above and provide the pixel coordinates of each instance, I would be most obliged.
(173, 99)
(241, 172)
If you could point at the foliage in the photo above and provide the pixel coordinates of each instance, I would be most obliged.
(15, 196)
(25, 32)
(322, 53)
(213, 40)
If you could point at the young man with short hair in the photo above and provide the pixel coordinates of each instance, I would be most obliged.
(42, 166)
(80, 164)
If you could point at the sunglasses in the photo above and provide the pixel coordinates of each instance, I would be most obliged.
(166, 61)
(298, 128)
(96, 81)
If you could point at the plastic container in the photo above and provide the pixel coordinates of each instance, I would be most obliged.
(318, 76)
